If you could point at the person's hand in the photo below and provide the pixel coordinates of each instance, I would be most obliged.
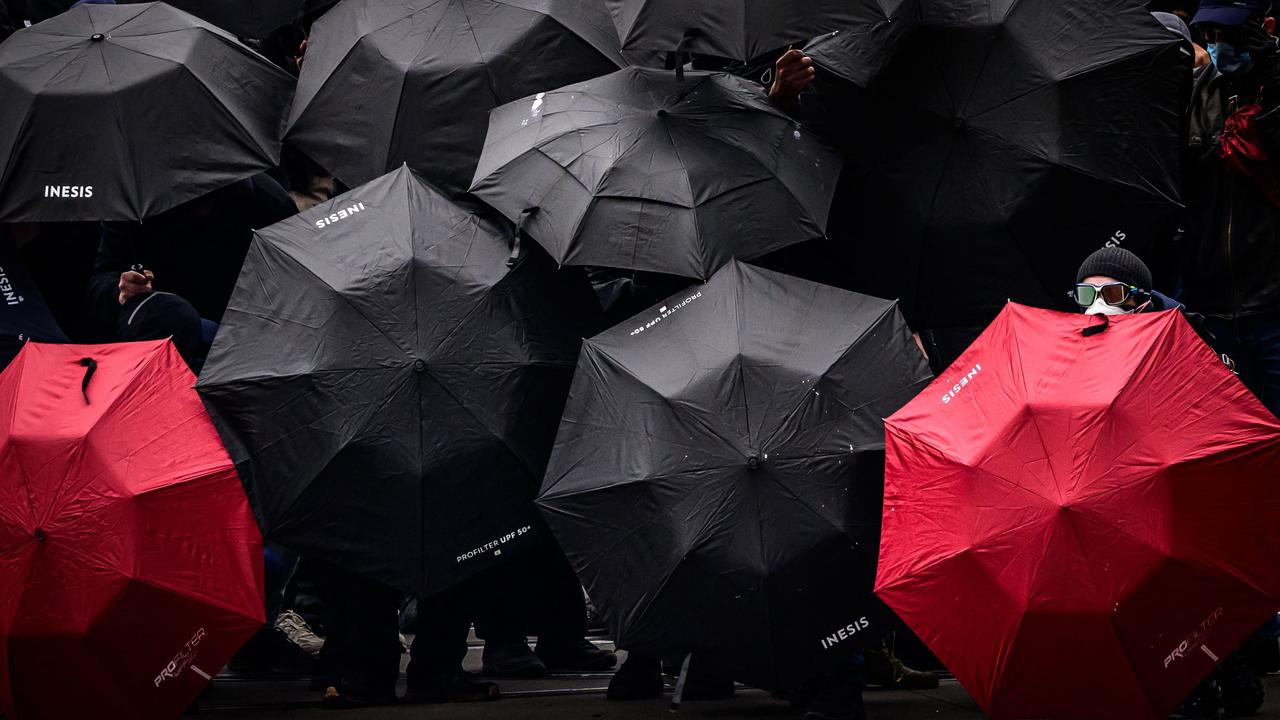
(1201, 56)
(791, 75)
(133, 283)
(302, 52)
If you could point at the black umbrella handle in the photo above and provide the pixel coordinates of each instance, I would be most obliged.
(90, 367)
(682, 50)
(515, 241)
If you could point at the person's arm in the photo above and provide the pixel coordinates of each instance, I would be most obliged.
(112, 281)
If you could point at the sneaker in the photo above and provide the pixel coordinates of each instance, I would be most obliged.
(298, 632)
(639, 678)
(452, 688)
(885, 670)
(580, 656)
(511, 660)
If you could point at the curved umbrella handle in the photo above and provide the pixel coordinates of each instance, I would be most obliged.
(515, 241)
(1097, 329)
(682, 50)
(90, 366)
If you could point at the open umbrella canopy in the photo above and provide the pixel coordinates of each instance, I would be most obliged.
(129, 558)
(1011, 138)
(244, 18)
(118, 112)
(413, 81)
(716, 481)
(1097, 508)
(24, 316)
(639, 170)
(736, 29)
(388, 378)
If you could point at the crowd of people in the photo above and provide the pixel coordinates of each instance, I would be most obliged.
(173, 276)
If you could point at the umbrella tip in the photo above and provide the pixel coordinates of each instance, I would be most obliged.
(753, 462)
(97, 37)
(39, 535)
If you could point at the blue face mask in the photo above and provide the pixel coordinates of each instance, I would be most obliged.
(1229, 60)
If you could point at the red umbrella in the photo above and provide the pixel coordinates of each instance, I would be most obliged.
(130, 563)
(1081, 525)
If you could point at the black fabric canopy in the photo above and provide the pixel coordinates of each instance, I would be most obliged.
(639, 170)
(388, 380)
(717, 477)
(412, 81)
(118, 112)
(1007, 141)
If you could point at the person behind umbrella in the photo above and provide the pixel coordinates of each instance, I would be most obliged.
(194, 251)
(1114, 281)
(1231, 251)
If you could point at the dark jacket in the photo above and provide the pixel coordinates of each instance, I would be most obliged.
(195, 250)
(1231, 250)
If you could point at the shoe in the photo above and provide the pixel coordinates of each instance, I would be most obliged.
(886, 671)
(334, 699)
(639, 678)
(580, 656)
(511, 660)
(837, 700)
(452, 688)
(296, 630)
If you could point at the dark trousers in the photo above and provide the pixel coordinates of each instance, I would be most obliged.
(361, 654)
(535, 594)
(440, 642)
(1254, 344)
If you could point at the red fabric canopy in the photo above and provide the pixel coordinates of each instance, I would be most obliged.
(130, 563)
(1082, 526)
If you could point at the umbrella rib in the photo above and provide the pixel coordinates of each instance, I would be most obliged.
(693, 544)
(852, 343)
(1111, 617)
(666, 400)
(131, 161)
(115, 400)
(204, 90)
(1128, 382)
(15, 377)
(347, 301)
(772, 174)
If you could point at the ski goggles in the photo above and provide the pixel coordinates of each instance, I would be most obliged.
(1113, 293)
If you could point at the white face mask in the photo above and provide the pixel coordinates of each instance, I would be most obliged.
(1101, 308)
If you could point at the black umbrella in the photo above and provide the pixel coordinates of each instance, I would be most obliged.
(388, 379)
(735, 29)
(23, 313)
(245, 18)
(718, 474)
(118, 112)
(640, 170)
(390, 82)
(1006, 142)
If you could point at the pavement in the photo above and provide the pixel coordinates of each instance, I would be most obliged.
(574, 697)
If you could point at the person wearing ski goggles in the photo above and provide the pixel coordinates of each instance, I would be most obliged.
(1113, 281)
